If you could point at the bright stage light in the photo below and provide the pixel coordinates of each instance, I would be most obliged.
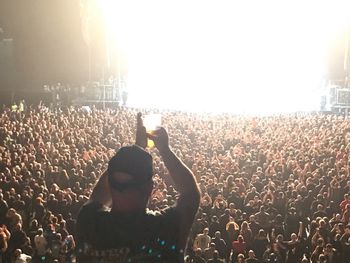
(237, 56)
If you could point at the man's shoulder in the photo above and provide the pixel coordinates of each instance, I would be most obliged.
(142, 238)
(97, 207)
(93, 211)
(104, 231)
(94, 217)
(88, 212)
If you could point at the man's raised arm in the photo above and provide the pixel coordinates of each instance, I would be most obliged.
(101, 193)
(183, 177)
(184, 180)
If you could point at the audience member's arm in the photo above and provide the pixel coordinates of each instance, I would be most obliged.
(86, 221)
(300, 231)
(7, 233)
(184, 180)
(273, 235)
(100, 193)
(141, 135)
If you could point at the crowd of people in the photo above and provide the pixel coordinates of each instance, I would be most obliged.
(274, 189)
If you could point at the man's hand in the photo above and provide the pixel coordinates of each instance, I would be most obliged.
(141, 135)
(160, 138)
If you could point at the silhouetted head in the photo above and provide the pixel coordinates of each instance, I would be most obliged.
(130, 178)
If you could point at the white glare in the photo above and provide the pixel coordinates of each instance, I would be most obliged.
(235, 56)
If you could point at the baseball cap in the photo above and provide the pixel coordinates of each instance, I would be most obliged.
(133, 161)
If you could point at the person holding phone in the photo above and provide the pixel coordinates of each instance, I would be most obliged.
(115, 226)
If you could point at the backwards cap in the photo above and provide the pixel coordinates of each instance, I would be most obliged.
(134, 161)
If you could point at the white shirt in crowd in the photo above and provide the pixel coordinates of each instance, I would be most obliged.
(40, 244)
(23, 258)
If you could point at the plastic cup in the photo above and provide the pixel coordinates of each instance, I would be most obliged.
(152, 122)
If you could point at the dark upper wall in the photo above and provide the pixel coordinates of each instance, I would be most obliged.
(48, 43)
